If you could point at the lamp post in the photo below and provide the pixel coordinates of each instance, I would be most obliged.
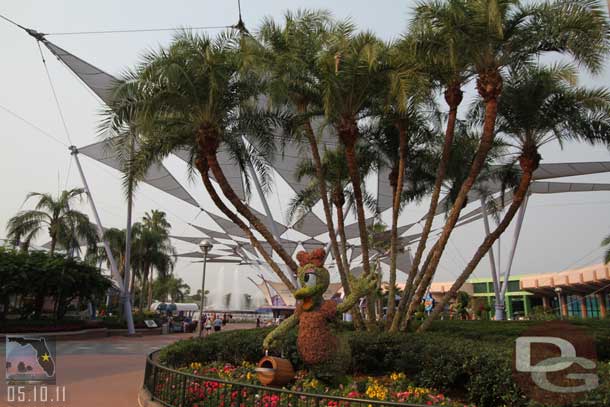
(205, 246)
(558, 291)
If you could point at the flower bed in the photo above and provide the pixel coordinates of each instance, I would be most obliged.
(464, 360)
(395, 387)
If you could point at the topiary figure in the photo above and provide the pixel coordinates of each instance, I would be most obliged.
(320, 345)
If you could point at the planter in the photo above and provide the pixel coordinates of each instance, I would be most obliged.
(272, 371)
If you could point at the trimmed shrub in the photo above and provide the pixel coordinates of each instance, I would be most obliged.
(468, 360)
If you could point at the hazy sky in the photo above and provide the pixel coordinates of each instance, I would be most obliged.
(560, 231)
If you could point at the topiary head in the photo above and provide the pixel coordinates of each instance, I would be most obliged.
(313, 279)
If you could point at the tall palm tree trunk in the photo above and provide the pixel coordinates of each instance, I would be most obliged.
(245, 211)
(397, 193)
(339, 201)
(143, 289)
(489, 85)
(315, 153)
(132, 284)
(529, 164)
(150, 288)
(348, 133)
(53, 244)
(453, 97)
(202, 166)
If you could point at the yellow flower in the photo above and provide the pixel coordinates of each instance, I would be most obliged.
(376, 391)
(196, 365)
(249, 376)
(397, 376)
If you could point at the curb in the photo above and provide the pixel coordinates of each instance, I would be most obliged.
(84, 333)
(64, 335)
(145, 399)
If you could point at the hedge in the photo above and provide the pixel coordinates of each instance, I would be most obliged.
(447, 358)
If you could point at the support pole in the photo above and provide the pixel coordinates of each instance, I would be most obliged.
(127, 268)
(499, 302)
(513, 248)
(100, 231)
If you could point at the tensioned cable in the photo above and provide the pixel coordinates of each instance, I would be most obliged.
(584, 257)
(12, 22)
(61, 114)
(68, 173)
(100, 165)
(140, 30)
(41, 131)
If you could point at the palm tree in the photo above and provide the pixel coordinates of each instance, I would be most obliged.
(336, 177)
(156, 220)
(67, 227)
(540, 105)
(116, 240)
(351, 79)
(438, 36)
(507, 34)
(170, 287)
(408, 94)
(152, 250)
(192, 96)
(287, 55)
(466, 142)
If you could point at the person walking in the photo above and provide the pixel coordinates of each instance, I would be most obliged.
(258, 322)
(202, 320)
(217, 324)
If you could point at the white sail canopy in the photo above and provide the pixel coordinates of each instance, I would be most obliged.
(97, 80)
(157, 175)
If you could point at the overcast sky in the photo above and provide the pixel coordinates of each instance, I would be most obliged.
(560, 231)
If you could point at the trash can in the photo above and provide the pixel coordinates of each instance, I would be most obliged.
(165, 328)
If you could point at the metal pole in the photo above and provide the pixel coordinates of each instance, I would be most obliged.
(100, 232)
(558, 291)
(127, 267)
(499, 305)
(511, 255)
(205, 261)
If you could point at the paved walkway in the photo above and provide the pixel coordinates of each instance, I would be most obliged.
(99, 372)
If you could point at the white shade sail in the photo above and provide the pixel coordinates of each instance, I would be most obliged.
(101, 84)
(560, 187)
(310, 225)
(199, 255)
(157, 175)
(97, 80)
(404, 261)
(560, 170)
(384, 189)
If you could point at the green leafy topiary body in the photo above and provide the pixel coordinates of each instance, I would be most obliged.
(320, 344)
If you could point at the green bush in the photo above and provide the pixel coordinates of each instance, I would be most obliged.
(230, 346)
(45, 325)
(468, 360)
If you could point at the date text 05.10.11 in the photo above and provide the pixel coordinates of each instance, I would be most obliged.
(36, 394)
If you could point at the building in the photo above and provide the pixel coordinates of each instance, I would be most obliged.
(582, 292)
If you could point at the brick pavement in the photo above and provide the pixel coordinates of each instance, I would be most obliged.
(105, 372)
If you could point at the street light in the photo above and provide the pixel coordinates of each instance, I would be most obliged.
(558, 291)
(205, 246)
